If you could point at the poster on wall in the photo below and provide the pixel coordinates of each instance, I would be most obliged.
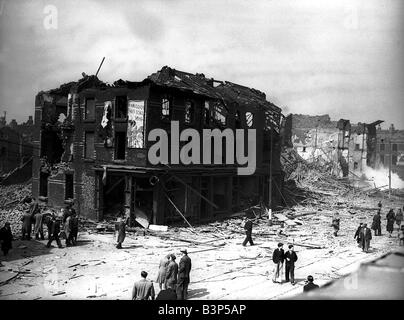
(135, 124)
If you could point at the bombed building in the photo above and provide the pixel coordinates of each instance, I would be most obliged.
(91, 144)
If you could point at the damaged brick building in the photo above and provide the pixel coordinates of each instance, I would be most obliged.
(91, 147)
(344, 148)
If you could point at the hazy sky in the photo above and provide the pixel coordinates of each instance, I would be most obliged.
(344, 58)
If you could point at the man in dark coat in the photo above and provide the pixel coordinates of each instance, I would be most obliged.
(357, 235)
(38, 226)
(184, 269)
(278, 257)
(172, 273)
(310, 284)
(366, 236)
(377, 224)
(54, 227)
(391, 218)
(290, 258)
(335, 223)
(248, 231)
(26, 226)
(143, 289)
(6, 238)
(74, 228)
(120, 226)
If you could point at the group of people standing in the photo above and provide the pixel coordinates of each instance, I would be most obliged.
(279, 257)
(173, 280)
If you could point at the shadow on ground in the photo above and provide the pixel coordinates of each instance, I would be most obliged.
(197, 293)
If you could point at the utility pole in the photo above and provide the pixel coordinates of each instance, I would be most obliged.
(391, 154)
(270, 171)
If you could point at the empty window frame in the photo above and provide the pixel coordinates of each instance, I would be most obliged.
(89, 145)
(166, 108)
(206, 113)
(357, 146)
(69, 186)
(189, 112)
(121, 107)
(89, 109)
(237, 117)
(120, 145)
(220, 113)
(249, 117)
(382, 147)
(43, 184)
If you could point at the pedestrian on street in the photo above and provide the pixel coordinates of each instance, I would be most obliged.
(248, 231)
(184, 269)
(380, 205)
(38, 227)
(161, 277)
(335, 223)
(278, 257)
(54, 226)
(399, 217)
(357, 235)
(26, 226)
(171, 273)
(6, 238)
(310, 285)
(401, 235)
(143, 289)
(390, 221)
(74, 228)
(120, 226)
(67, 230)
(366, 236)
(377, 223)
(290, 259)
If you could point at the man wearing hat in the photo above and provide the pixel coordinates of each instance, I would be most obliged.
(278, 257)
(183, 275)
(310, 284)
(366, 236)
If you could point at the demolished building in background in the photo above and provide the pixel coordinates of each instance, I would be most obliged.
(343, 148)
(90, 147)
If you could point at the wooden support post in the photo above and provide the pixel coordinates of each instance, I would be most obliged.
(175, 207)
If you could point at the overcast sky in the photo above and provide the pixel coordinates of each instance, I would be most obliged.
(344, 58)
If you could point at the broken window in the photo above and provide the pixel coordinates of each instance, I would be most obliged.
(206, 113)
(304, 149)
(382, 159)
(382, 147)
(357, 146)
(189, 112)
(249, 119)
(121, 107)
(355, 165)
(43, 184)
(238, 119)
(220, 113)
(90, 109)
(89, 145)
(68, 186)
(166, 108)
(120, 145)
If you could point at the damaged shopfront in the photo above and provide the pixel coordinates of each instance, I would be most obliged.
(92, 144)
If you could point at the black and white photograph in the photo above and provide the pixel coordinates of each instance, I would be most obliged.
(215, 151)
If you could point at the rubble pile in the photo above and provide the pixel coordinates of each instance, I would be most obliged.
(14, 201)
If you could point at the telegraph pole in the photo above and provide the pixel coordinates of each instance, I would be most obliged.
(391, 154)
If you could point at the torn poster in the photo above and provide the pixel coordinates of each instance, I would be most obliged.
(105, 118)
(135, 124)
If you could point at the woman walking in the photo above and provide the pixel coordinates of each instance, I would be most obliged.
(390, 221)
(161, 277)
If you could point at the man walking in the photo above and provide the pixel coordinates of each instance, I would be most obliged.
(310, 285)
(248, 231)
(6, 238)
(171, 274)
(377, 224)
(143, 289)
(278, 257)
(357, 235)
(290, 258)
(183, 275)
(38, 227)
(120, 226)
(54, 227)
(366, 236)
(391, 217)
(74, 228)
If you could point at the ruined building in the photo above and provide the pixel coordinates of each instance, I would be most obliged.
(345, 149)
(92, 147)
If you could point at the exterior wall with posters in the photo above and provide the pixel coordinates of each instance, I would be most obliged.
(136, 119)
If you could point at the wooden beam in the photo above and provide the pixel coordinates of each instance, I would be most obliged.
(172, 203)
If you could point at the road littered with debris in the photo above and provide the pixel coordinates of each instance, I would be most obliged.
(221, 267)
